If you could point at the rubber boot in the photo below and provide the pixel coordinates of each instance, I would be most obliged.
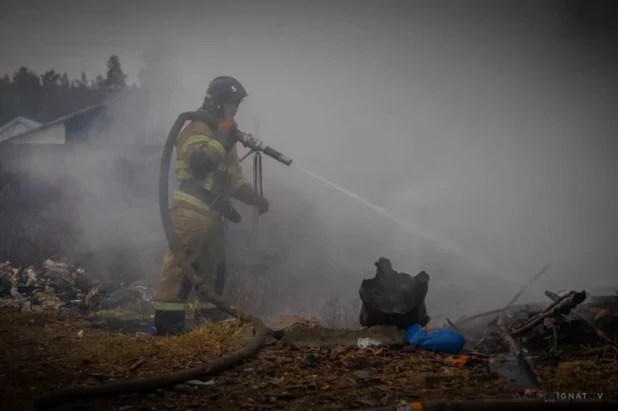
(169, 322)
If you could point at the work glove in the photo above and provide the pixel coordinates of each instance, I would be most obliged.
(262, 205)
(232, 215)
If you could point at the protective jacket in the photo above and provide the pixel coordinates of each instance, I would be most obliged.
(223, 174)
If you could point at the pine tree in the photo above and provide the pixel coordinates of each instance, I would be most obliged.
(7, 109)
(116, 78)
(27, 93)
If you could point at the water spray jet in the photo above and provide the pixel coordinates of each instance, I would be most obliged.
(410, 228)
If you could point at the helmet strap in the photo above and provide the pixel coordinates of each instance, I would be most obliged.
(227, 115)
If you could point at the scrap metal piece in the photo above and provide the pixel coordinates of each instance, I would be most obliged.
(554, 297)
(562, 305)
(515, 370)
(514, 367)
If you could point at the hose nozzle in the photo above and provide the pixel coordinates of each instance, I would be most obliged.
(247, 140)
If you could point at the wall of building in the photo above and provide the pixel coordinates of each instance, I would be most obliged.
(48, 135)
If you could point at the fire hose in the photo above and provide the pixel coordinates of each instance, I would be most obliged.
(142, 385)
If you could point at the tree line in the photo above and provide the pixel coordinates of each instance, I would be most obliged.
(48, 96)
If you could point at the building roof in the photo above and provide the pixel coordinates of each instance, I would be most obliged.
(23, 120)
(54, 122)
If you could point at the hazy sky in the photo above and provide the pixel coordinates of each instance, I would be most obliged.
(488, 124)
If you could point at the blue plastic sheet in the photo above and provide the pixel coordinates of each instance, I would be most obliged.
(445, 340)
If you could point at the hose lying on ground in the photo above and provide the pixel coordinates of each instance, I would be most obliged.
(140, 385)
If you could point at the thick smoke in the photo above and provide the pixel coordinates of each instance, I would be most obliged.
(488, 128)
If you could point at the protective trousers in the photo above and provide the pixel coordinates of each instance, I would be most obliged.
(201, 238)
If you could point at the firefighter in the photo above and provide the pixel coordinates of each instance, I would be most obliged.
(209, 173)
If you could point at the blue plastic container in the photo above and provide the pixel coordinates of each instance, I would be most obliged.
(151, 329)
(445, 340)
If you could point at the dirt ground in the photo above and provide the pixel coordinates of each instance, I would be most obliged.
(43, 352)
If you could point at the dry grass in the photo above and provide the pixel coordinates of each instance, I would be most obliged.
(583, 375)
(161, 354)
(47, 347)
(336, 313)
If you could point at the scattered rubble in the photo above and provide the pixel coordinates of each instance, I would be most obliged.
(368, 342)
(58, 285)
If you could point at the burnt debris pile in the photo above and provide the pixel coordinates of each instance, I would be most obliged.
(572, 318)
(56, 284)
(521, 338)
